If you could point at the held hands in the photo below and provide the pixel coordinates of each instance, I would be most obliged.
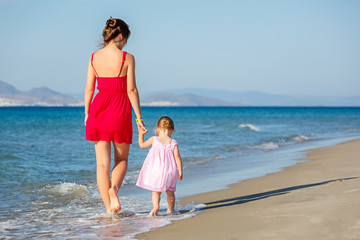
(140, 124)
(142, 130)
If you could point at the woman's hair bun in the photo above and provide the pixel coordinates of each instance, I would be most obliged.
(111, 22)
(113, 27)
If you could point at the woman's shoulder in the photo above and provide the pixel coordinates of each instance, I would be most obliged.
(130, 57)
(128, 54)
(96, 54)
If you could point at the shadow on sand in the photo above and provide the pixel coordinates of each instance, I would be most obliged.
(259, 196)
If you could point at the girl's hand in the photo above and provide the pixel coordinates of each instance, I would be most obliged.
(142, 130)
(180, 176)
(86, 117)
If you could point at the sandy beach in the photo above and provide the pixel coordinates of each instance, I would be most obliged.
(316, 199)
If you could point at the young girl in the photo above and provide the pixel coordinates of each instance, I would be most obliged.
(158, 172)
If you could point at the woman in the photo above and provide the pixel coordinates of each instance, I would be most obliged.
(108, 117)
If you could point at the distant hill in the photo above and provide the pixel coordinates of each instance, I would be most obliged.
(11, 96)
(255, 98)
(186, 99)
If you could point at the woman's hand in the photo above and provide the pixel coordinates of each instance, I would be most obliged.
(140, 124)
(86, 117)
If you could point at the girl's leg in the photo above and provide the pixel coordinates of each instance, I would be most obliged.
(121, 152)
(156, 203)
(170, 201)
(103, 161)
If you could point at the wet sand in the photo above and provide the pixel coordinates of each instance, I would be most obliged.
(315, 199)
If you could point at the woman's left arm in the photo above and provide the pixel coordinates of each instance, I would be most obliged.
(132, 90)
(89, 90)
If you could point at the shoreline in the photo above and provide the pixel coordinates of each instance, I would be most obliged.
(314, 199)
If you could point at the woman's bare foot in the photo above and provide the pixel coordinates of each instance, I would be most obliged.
(114, 201)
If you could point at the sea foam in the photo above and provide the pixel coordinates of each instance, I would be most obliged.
(268, 146)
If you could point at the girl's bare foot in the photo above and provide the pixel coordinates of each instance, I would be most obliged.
(170, 211)
(154, 212)
(114, 201)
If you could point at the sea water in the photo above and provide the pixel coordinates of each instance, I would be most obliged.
(48, 173)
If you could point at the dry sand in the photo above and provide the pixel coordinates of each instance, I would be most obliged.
(316, 199)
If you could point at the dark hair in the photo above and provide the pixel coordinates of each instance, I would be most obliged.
(113, 28)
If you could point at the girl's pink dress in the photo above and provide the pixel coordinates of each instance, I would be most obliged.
(110, 112)
(159, 171)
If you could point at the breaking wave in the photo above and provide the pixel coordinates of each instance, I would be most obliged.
(73, 189)
(299, 138)
(250, 127)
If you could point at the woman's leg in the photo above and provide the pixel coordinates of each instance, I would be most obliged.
(121, 152)
(103, 162)
(156, 203)
(170, 201)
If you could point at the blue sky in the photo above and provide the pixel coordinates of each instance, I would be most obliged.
(298, 47)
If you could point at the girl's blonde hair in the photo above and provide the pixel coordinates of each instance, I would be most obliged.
(165, 122)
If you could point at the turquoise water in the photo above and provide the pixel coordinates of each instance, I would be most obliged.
(47, 168)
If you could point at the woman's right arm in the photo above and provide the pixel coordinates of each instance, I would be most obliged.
(89, 89)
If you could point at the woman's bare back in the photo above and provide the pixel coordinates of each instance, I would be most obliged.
(107, 62)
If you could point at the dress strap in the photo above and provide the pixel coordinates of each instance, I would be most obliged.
(92, 65)
(122, 64)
